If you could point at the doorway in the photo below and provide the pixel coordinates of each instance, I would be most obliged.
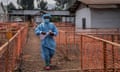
(84, 23)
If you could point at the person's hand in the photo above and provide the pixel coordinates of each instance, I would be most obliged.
(44, 33)
(51, 33)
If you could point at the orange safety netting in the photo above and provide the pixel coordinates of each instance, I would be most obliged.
(92, 54)
(10, 51)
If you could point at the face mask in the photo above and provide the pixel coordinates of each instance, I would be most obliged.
(46, 20)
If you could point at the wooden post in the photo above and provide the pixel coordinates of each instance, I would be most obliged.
(112, 36)
(105, 56)
(81, 49)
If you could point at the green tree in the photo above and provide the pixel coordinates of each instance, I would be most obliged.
(42, 4)
(25, 4)
(11, 6)
(60, 4)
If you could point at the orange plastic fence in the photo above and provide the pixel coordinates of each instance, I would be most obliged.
(64, 24)
(111, 37)
(98, 53)
(98, 30)
(11, 50)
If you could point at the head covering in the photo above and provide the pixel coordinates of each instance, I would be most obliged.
(46, 18)
(46, 15)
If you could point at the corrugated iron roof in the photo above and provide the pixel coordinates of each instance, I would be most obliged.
(37, 12)
(24, 12)
(100, 1)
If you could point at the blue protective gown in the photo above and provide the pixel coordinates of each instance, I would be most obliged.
(48, 44)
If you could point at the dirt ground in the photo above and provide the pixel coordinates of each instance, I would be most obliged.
(31, 54)
(32, 61)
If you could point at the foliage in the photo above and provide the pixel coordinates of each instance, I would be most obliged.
(56, 19)
(11, 6)
(25, 4)
(60, 4)
(42, 4)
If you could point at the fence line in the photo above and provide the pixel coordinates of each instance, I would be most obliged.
(10, 51)
(109, 50)
(91, 52)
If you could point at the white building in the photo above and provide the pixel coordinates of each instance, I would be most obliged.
(96, 13)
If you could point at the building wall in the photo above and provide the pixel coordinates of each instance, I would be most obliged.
(68, 19)
(80, 14)
(38, 19)
(105, 18)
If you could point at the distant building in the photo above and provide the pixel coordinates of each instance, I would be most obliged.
(95, 13)
(37, 15)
